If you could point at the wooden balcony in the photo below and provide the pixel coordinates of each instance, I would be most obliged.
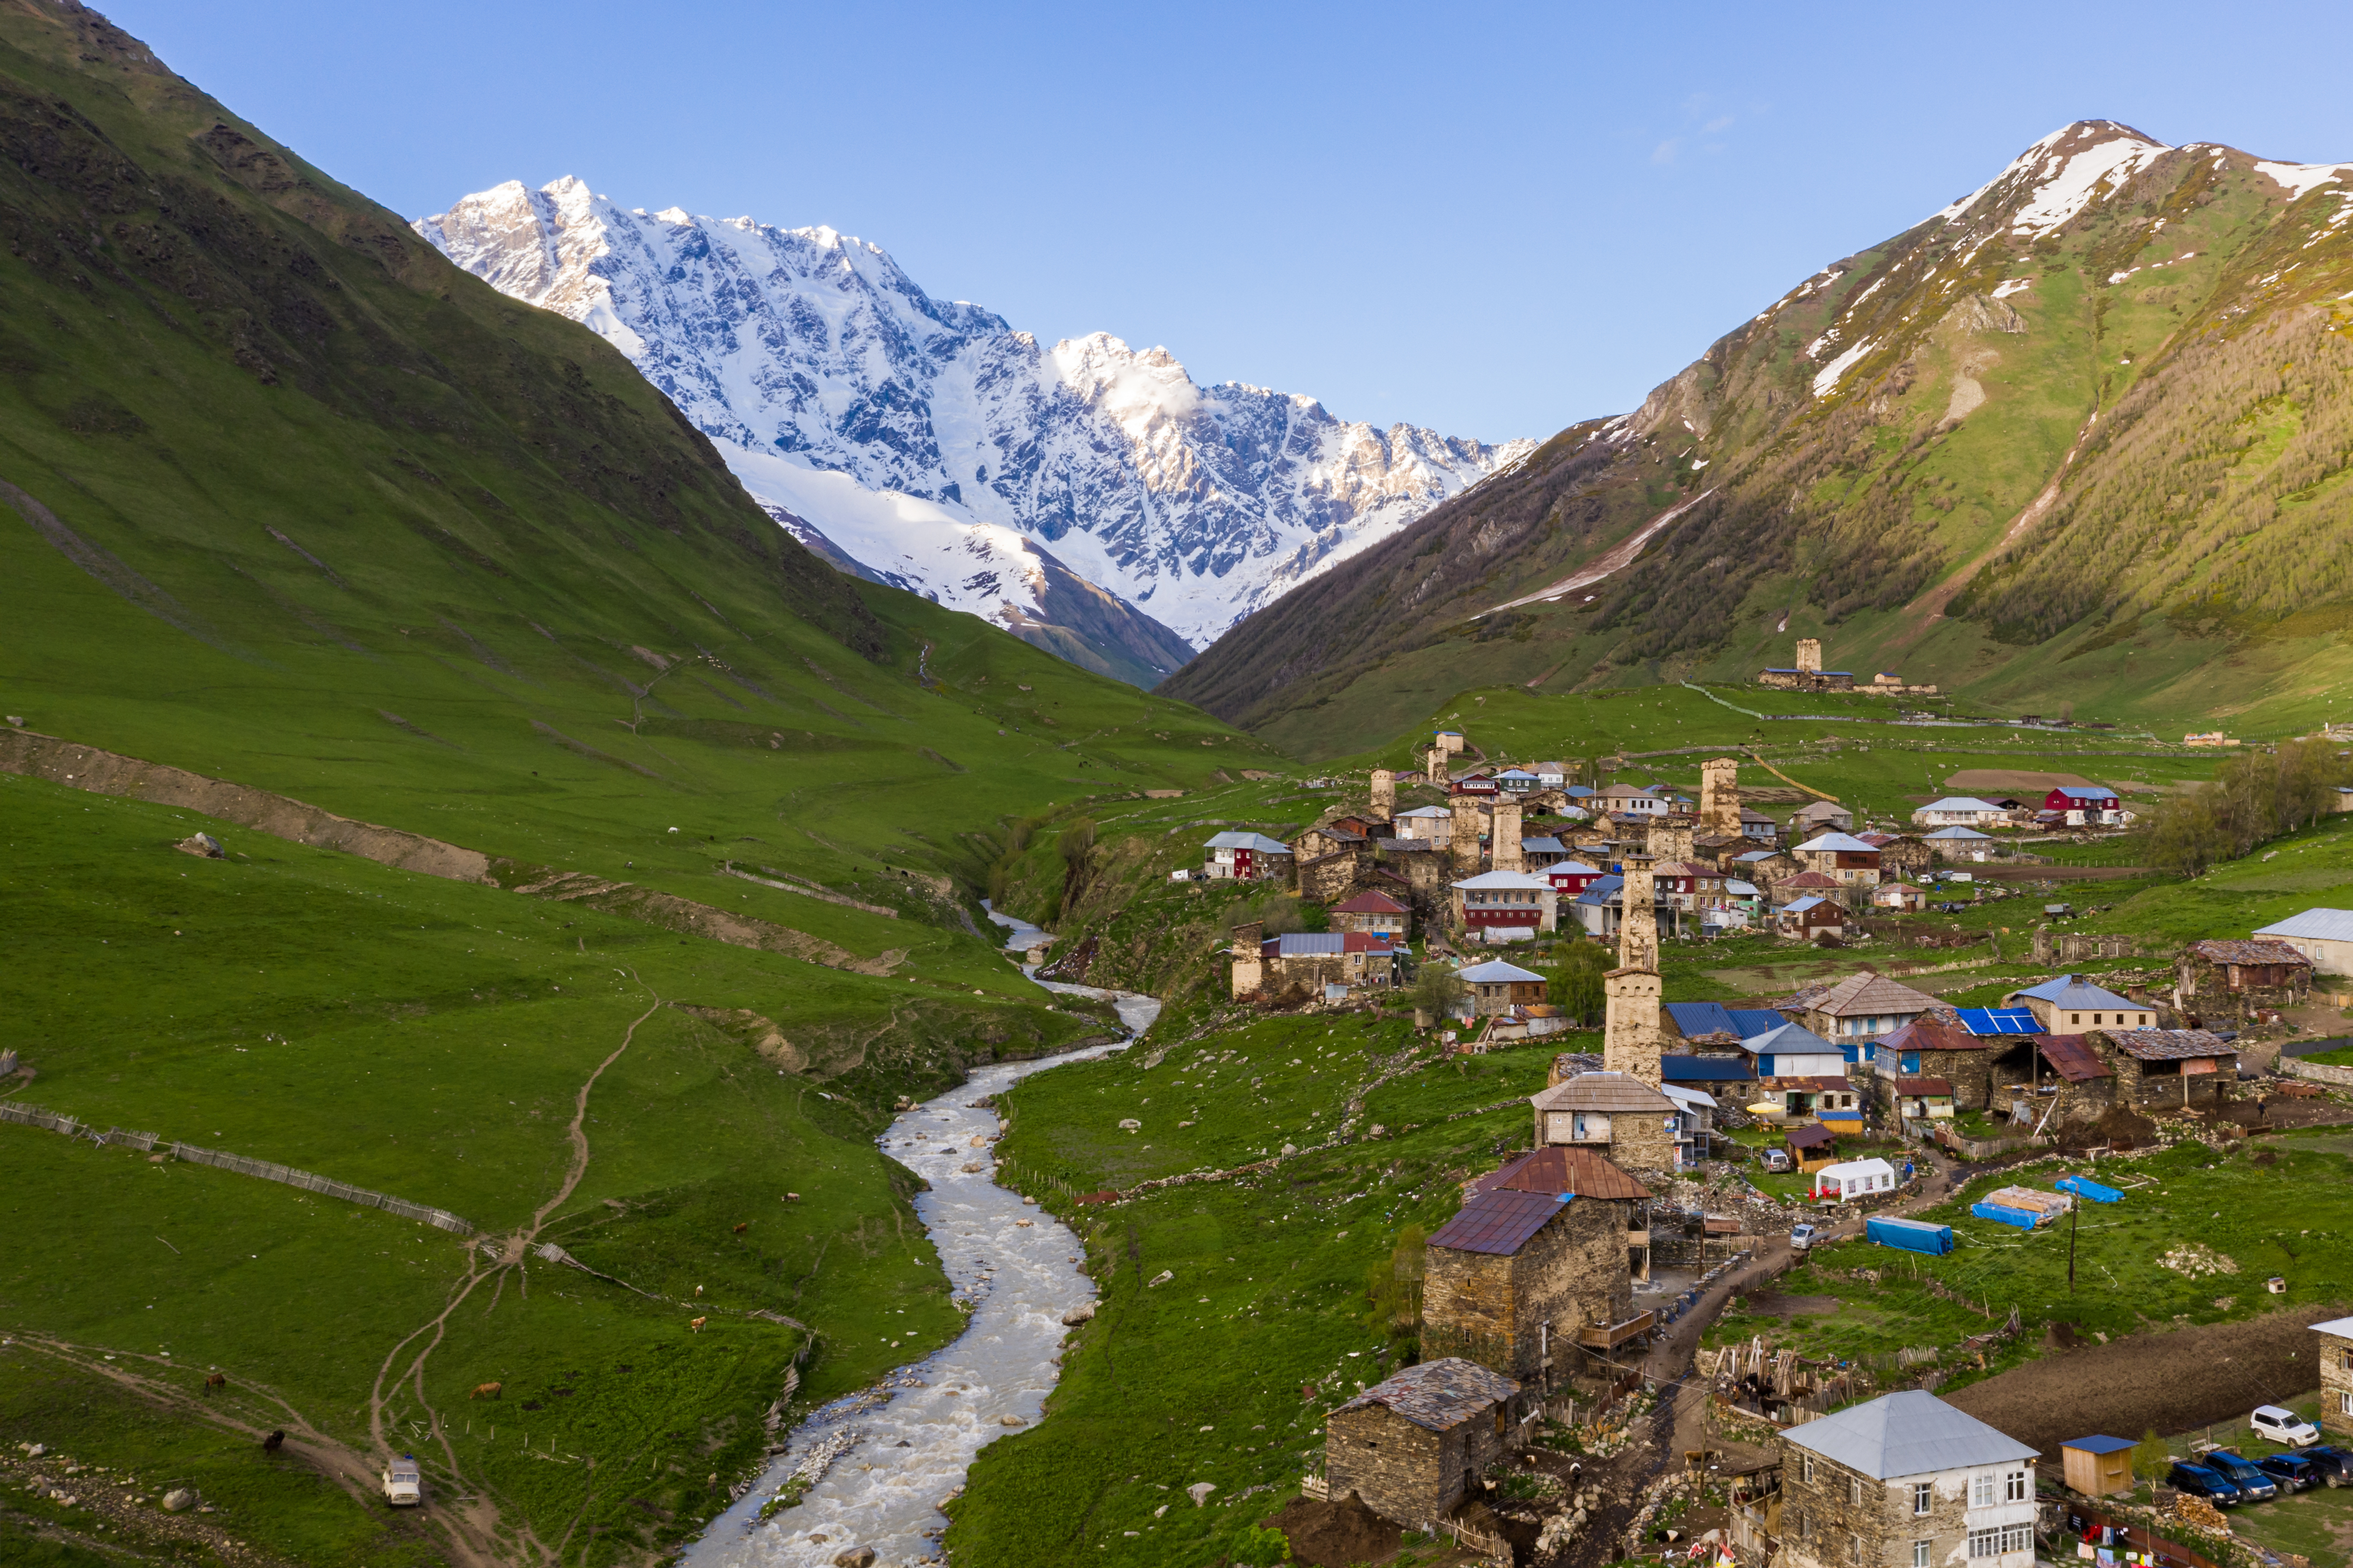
(1598, 1338)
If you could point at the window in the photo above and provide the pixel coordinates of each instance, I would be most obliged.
(1853, 1492)
(2074, 1018)
(2014, 1487)
(1980, 1495)
(1806, 1469)
(1923, 1494)
(1805, 1522)
(1855, 1548)
(1920, 1554)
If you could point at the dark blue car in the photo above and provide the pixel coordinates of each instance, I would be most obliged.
(2292, 1472)
(2327, 1459)
(2199, 1481)
(2253, 1484)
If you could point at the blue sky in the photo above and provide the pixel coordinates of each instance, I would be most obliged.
(1496, 221)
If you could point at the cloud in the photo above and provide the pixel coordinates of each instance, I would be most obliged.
(1665, 152)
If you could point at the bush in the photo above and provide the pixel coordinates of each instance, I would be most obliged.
(1575, 986)
(2254, 798)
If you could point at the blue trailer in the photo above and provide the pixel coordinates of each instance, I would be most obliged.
(2084, 1187)
(1911, 1234)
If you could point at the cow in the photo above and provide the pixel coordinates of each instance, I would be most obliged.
(274, 1442)
(216, 1381)
(697, 1325)
(485, 1391)
(742, 1228)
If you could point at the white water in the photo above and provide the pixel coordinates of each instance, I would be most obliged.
(878, 1492)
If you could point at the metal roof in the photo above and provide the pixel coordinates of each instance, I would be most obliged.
(1605, 1091)
(1369, 904)
(1303, 943)
(2073, 1059)
(1500, 1222)
(1909, 1433)
(2077, 792)
(1810, 1136)
(1957, 831)
(2341, 1326)
(1438, 1395)
(1543, 847)
(2099, 1444)
(1962, 803)
(1563, 1172)
(1697, 1019)
(1984, 1021)
(2327, 925)
(1495, 971)
(1503, 879)
(2073, 991)
(1437, 811)
(1927, 1086)
(1256, 841)
(1688, 1098)
(1790, 1039)
(1846, 842)
(1799, 906)
(1704, 1069)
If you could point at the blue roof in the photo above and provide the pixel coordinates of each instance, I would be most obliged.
(2074, 991)
(1578, 791)
(1695, 1018)
(1790, 1039)
(2100, 1445)
(1298, 943)
(1601, 891)
(1998, 1021)
(1702, 1069)
(2075, 791)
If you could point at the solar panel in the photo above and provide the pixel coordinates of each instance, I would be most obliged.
(1998, 1021)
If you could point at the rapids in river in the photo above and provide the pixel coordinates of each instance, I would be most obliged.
(891, 1454)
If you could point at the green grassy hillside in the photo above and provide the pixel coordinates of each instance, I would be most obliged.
(2093, 461)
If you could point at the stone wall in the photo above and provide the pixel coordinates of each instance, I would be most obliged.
(2336, 1385)
(2316, 1072)
(1491, 1310)
(1823, 1518)
(1404, 1472)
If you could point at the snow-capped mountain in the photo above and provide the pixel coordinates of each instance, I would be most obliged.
(929, 442)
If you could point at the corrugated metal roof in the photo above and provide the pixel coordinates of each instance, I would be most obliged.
(2073, 1059)
(1256, 841)
(1499, 1222)
(1436, 811)
(1495, 971)
(1558, 1169)
(2341, 1327)
(1704, 1069)
(1846, 842)
(1929, 1086)
(1503, 879)
(1369, 904)
(2099, 1444)
(1961, 803)
(2325, 925)
(1813, 1136)
(1438, 1395)
(1910, 1433)
(2073, 991)
(1790, 1039)
(1303, 943)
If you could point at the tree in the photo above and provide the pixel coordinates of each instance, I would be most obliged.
(1437, 988)
(2252, 799)
(1574, 985)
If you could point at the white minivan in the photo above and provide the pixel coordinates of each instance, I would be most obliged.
(2284, 1427)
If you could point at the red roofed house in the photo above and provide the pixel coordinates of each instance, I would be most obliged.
(1372, 912)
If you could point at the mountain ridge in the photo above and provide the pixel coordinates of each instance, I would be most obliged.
(987, 462)
(1882, 429)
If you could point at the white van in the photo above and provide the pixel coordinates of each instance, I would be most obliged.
(403, 1486)
(2283, 1426)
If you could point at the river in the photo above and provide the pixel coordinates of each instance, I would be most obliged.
(901, 1447)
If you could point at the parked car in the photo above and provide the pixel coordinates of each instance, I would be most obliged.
(1775, 1159)
(2334, 1464)
(1802, 1236)
(2252, 1482)
(403, 1486)
(2197, 1480)
(2284, 1427)
(2290, 1472)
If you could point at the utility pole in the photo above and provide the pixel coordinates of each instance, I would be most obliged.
(2074, 1212)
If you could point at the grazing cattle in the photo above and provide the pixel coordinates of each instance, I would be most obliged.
(485, 1391)
(697, 1325)
(217, 1381)
(274, 1442)
(742, 1228)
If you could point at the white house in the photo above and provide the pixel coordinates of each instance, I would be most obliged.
(1630, 798)
(1551, 775)
(1504, 906)
(1960, 811)
(1854, 1179)
(1432, 824)
(2324, 936)
(1905, 1481)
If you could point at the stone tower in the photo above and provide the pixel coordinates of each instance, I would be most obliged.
(1631, 1042)
(1435, 763)
(1637, 921)
(1384, 808)
(1719, 796)
(1470, 821)
(1504, 852)
(1810, 656)
(1668, 840)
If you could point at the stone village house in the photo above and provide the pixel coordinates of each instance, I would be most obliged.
(1906, 1480)
(2336, 1377)
(2217, 980)
(1411, 1446)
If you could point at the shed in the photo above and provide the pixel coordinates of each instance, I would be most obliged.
(2098, 1466)
(1411, 1444)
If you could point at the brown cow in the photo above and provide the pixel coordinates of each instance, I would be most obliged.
(274, 1442)
(485, 1391)
(745, 1226)
(217, 1381)
(697, 1325)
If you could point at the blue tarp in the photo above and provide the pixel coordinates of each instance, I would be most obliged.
(2084, 1187)
(1911, 1234)
(2025, 1219)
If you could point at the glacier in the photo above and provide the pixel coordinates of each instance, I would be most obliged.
(928, 444)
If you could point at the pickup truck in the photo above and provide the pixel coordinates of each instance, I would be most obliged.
(1802, 1236)
(2199, 1480)
(2256, 1486)
(403, 1486)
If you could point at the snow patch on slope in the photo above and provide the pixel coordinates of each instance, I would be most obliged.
(1826, 380)
(2299, 178)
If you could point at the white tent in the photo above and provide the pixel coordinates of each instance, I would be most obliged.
(1854, 1179)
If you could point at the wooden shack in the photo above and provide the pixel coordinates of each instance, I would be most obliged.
(1411, 1446)
(2098, 1466)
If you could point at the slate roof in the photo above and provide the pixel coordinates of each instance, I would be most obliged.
(2069, 991)
(1557, 1169)
(1499, 1222)
(1494, 972)
(2072, 1058)
(1438, 1395)
(1869, 995)
(1606, 1091)
(2170, 1045)
(2327, 925)
(1369, 904)
(1909, 1433)
(2219, 952)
